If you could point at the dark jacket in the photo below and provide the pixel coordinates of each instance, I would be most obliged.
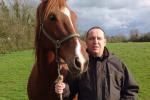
(107, 78)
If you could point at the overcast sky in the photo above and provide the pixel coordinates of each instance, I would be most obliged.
(115, 16)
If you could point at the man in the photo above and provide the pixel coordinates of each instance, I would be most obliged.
(107, 78)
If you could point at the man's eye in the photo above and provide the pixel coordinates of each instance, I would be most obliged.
(91, 38)
(98, 38)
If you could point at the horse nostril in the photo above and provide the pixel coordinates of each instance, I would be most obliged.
(77, 63)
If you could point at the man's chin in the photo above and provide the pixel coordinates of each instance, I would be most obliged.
(95, 54)
(95, 51)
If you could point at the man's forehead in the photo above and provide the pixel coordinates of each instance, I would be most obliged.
(97, 32)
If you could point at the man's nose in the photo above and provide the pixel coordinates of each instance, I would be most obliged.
(95, 40)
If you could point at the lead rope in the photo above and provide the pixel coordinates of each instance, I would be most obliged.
(60, 77)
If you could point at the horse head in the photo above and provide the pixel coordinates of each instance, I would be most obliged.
(57, 33)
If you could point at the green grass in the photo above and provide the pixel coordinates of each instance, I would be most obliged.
(14, 71)
(15, 68)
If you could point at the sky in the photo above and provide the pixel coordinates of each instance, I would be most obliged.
(114, 16)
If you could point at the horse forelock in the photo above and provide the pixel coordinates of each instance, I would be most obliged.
(53, 5)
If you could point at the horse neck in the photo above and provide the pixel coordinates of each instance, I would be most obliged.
(47, 65)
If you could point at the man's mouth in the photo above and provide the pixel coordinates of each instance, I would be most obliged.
(95, 47)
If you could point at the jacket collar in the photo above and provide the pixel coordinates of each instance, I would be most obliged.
(104, 56)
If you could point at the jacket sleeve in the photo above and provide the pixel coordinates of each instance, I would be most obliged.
(130, 88)
(66, 92)
(71, 88)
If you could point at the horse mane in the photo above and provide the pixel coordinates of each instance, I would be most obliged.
(53, 5)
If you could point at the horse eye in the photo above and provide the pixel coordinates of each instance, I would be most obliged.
(52, 17)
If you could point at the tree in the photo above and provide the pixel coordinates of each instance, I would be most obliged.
(134, 35)
(17, 25)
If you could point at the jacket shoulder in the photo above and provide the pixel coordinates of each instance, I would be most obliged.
(115, 63)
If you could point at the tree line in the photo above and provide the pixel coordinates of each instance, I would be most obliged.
(134, 36)
(17, 24)
(17, 27)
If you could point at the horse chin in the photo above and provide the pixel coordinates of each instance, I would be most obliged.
(73, 68)
(80, 66)
(74, 71)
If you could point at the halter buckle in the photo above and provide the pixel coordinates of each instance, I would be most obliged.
(58, 43)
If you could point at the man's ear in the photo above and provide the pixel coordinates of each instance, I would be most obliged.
(105, 41)
(85, 39)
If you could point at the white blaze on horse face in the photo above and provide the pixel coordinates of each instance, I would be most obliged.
(79, 54)
(66, 11)
(78, 46)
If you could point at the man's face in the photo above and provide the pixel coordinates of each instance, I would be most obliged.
(96, 42)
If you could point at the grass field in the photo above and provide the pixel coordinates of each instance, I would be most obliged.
(15, 68)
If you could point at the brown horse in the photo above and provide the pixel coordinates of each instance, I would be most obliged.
(56, 41)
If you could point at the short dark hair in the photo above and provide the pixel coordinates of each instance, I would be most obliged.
(94, 27)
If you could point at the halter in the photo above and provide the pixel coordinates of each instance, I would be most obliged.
(57, 44)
